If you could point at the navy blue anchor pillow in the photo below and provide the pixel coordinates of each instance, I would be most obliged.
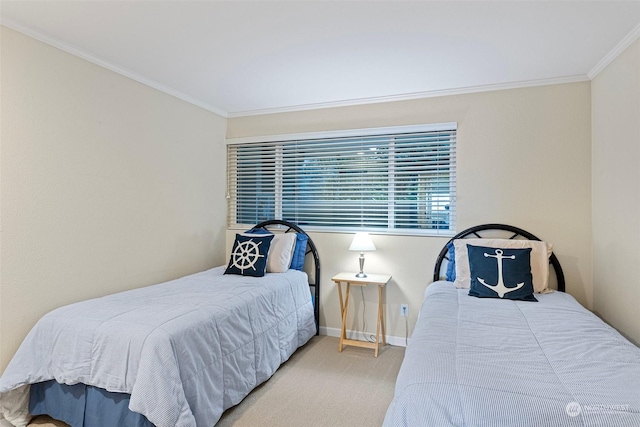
(249, 255)
(500, 273)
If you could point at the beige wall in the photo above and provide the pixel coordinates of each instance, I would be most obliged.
(106, 185)
(524, 158)
(616, 192)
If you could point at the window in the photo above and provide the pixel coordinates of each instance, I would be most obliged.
(399, 180)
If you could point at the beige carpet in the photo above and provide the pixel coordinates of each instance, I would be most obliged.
(319, 387)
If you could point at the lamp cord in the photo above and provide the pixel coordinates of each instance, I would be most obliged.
(370, 338)
(406, 331)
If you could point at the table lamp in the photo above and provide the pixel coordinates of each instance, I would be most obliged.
(362, 242)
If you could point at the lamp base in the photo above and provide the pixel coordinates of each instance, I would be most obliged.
(361, 259)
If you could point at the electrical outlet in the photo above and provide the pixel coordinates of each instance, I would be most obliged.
(404, 310)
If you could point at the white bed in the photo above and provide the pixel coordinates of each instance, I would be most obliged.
(182, 351)
(495, 362)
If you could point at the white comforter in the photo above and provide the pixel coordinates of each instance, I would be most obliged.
(490, 362)
(185, 350)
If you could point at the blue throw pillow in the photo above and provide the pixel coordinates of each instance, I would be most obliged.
(249, 255)
(451, 267)
(258, 231)
(500, 273)
(297, 260)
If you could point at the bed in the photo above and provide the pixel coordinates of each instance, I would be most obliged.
(174, 354)
(492, 361)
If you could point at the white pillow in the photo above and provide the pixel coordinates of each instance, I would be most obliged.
(281, 252)
(540, 253)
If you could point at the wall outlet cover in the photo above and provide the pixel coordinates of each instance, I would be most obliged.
(404, 310)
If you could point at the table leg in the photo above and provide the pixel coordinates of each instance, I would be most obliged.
(341, 312)
(375, 354)
(343, 308)
(340, 296)
(381, 314)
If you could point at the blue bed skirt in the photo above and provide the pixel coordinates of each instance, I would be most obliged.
(80, 405)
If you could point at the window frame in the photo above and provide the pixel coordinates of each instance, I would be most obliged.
(354, 133)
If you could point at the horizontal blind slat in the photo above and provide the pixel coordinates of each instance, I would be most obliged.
(393, 181)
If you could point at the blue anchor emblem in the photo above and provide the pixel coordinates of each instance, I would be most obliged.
(500, 288)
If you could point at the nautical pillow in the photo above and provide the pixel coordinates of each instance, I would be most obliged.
(249, 255)
(500, 273)
(540, 253)
(297, 261)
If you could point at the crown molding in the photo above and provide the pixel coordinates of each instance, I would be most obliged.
(112, 67)
(415, 95)
(615, 52)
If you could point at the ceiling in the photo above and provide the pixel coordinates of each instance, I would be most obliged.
(246, 57)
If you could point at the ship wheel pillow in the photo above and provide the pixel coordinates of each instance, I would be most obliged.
(249, 255)
(253, 255)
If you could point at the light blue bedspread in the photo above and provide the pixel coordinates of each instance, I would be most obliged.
(490, 362)
(185, 350)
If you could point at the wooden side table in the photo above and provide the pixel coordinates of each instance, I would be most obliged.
(379, 280)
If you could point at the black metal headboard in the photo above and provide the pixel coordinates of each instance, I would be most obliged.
(311, 249)
(517, 232)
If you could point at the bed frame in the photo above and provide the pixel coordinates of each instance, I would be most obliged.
(314, 283)
(490, 231)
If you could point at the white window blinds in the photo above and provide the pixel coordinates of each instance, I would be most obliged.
(400, 182)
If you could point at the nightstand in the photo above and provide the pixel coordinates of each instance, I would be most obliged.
(379, 280)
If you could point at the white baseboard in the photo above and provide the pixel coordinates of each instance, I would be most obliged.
(357, 335)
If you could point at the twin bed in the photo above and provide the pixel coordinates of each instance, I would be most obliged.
(174, 354)
(511, 362)
(180, 353)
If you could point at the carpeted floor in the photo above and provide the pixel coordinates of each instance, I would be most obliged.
(317, 386)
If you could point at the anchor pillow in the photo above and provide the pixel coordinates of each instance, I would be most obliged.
(540, 253)
(249, 255)
(500, 273)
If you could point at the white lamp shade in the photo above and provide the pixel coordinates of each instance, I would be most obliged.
(362, 242)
